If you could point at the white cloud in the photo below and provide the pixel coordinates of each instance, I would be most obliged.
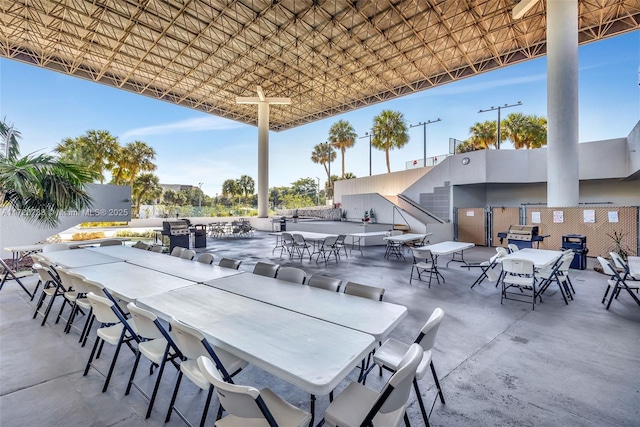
(189, 125)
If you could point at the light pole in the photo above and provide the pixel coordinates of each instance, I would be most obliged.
(329, 150)
(424, 137)
(200, 195)
(368, 135)
(499, 108)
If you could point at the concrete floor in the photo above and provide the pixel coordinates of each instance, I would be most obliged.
(575, 365)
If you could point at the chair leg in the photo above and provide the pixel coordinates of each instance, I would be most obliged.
(86, 334)
(435, 379)
(206, 406)
(93, 352)
(173, 397)
(42, 297)
(49, 306)
(64, 304)
(133, 373)
(157, 385)
(407, 423)
(425, 417)
(113, 362)
(36, 289)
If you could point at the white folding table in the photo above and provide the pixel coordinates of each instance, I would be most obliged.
(376, 318)
(130, 282)
(357, 239)
(124, 252)
(308, 235)
(448, 247)
(541, 258)
(78, 258)
(402, 239)
(307, 352)
(183, 268)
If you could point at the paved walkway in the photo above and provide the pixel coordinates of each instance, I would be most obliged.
(498, 364)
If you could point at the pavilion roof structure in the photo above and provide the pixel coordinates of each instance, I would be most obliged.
(329, 57)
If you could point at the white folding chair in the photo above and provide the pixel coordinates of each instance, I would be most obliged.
(113, 242)
(487, 267)
(52, 288)
(556, 273)
(266, 269)
(358, 405)
(177, 251)
(188, 254)
(519, 274)
(156, 248)
(364, 291)
(616, 282)
(113, 330)
(206, 258)
(286, 243)
(327, 248)
(300, 245)
(230, 263)
(192, 344)
(323, 282)
(248, 406)
(291, 274)
(390, 354)
(513, 248)
(155, 344)
(423, 262)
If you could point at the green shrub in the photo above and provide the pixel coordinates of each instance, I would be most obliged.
(149, 234)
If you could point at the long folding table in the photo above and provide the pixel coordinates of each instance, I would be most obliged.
(183, 268)
(130, 282)
(124, 252)
(309, 353)
(541, 258)
(356, 239)
(446, 248)
(308, 235)
(372, 317)
(78, 258)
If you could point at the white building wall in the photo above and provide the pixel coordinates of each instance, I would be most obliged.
(388, 184)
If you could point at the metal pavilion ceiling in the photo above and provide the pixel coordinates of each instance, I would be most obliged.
(330, 56)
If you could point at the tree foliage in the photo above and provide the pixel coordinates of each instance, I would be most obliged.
(39, 188)
(321, 154)
(389, 132)
(342, 136)
(133, 158)
(96, 150)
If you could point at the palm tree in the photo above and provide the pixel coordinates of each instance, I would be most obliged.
(464, 147)
(133, 158)
(537, 132)
(321, 154)
(342, 136)
(146, 186)
(389, 132)
(349, 175)
(230, 188)
(39, 188)
(483, 135)
(96, 150)
(515, 128)
(246, 186)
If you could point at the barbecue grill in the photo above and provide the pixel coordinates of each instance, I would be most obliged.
(178, 233)
(522, 236)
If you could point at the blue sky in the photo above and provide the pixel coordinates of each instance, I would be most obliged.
(194, 147)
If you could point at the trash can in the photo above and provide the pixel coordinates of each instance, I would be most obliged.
(283, 224)
(200, 238)
(578, 243)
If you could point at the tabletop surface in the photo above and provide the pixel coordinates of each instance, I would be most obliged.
(307, 352)
(124, 252)
(131, 281)
(407, 237)
(372, 317)
(78, 258)
(540, 257)
(444, 248)
(183, 268)
(369, 234)
(39, 246)
(308, 235)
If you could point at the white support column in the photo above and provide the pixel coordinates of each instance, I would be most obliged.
(563, 181)
(263, 159)
(263, 144)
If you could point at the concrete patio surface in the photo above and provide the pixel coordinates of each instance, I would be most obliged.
(499, 365)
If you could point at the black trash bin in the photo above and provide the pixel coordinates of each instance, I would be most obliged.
(200, 238)
(283, 224)
(578, 243)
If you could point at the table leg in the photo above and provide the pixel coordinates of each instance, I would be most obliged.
(453, 258)
(278, 244)
(355, 243)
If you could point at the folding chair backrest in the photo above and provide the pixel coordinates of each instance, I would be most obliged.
(65, 279)
(205, 258)
(287, 237)
(146, 322)
(607, 268)
(177, 251)
(340, 239)
(618, 261)
(188, 339)
(291, 274)
(513, 247)
(94, 287)
(240, 401)
(78, 283)
(395, 232)
(364, 291)
(298, 239)
(188, 254)
(500, 253)
(156, 248)
(265, 269)
(395, 393)
(230, 263)
(566, 262)
(427, 336)
(517, 266)
(330, 241)
(103, 309)
(323, 282)
(422, 254)
(45, 274)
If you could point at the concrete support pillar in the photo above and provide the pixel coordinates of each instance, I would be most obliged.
(263, 159)
(563, 184)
